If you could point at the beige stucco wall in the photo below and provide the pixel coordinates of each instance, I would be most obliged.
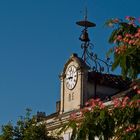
(76, 92)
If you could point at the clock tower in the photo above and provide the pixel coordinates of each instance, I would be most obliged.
(83, 78)
(73, 80)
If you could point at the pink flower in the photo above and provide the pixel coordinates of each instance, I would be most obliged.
(139, 19)
(129, 129)
(127, 17)
(138, 30)
(131, 42)
(119, 37)
(97, 100)
(135, 87)
(73, 116)
(87, 103)
(138, 91)
(128, 35)
(92, 103)
(101, 105)
(116, 20)
(137, 34)
(117, 50)
(125, 101)
(116, 102)
(130, 18)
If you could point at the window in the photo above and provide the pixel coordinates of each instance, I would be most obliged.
(69, 98)
(72, 97)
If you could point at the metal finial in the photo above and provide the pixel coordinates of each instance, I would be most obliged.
(85, 23)
(85, 17)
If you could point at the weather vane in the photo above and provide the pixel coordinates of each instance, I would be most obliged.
(88, 56)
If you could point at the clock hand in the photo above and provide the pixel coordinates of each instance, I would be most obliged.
(70, 77)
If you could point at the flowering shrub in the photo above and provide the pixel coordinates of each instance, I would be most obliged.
(119, 120)
(126, 50)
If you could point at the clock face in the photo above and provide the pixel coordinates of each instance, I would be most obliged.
(71, 77)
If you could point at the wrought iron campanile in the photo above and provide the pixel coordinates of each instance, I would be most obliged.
(84, 37)
(96, 64)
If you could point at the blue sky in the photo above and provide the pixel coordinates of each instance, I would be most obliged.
(36, 39)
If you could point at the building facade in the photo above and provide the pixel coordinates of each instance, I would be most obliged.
(79, 83)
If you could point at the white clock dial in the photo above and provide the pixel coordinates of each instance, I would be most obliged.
(71, 77)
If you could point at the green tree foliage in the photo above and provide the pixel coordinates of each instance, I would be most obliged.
(26, 128)
(126, 50)
(7, 131)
